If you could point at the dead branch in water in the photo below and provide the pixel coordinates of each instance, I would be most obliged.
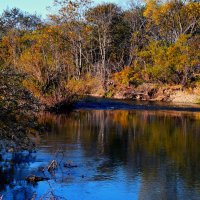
(53, 165)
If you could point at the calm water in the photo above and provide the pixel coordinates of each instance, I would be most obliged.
(120, 155)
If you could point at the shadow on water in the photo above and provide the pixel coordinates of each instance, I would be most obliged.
(93, 103)
(124, 154)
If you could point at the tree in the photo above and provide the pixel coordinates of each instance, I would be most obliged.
(183, 57)
(101, 19)
(173, 18)
(137, 25)
(45, 62)
(71, 20)
(16, 19)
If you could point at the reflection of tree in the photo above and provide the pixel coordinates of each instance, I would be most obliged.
(161, 145)
(12, 175)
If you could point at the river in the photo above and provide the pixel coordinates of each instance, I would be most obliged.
(113, 152)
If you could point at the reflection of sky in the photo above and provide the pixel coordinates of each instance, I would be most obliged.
(38, 6)
(69, 183)
(111, 163)
(116, 186)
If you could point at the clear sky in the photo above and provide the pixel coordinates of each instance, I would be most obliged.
(38, 6)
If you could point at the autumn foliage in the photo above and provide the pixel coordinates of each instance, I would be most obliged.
(83, 48)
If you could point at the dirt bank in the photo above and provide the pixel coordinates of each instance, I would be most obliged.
(153, 92)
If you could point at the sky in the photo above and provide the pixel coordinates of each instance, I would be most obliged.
(38, 6)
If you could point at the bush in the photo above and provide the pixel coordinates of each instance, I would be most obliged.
(85, 85)
(122, 79)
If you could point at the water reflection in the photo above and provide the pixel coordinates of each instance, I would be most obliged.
(122, 154)
(13, 170)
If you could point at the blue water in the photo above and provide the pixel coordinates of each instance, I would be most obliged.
(119, 154)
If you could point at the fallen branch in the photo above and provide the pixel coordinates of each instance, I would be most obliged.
(53, 165)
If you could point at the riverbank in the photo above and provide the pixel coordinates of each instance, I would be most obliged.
(154, 92)
(18, 120)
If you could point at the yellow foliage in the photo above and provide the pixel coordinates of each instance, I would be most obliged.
(122, 78)
(173, 18)
(32, 87)
(184, 53)
(85, 85)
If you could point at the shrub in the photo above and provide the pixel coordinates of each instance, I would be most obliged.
(85, 85)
